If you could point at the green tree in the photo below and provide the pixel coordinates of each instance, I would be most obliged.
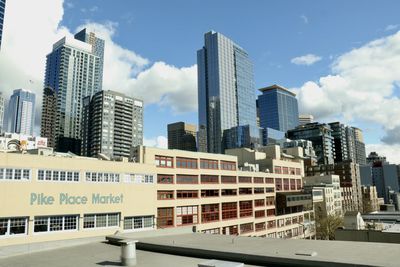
(326, 226)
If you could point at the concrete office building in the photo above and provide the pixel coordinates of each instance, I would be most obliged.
(381, 174)
(278, 108)
(182, 136)
(21, 112)
(320, 134)
(112, 124)
(226, 93)
(305, 118)
(62, 196)
(369, 199)
(350, 182)
(359, 146)
(2, 111)
(2, 11)
(332, 199)
(73, 71)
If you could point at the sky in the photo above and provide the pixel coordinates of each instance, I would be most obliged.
(341, 58)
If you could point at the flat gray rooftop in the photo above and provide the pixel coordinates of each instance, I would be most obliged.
(190, 249)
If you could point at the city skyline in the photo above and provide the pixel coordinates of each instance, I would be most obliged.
(174, 97)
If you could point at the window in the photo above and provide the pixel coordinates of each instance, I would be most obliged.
(259, 213)
(278, 184)
(186, 163)
(165, 179)
(277, 169)
(285, 170)
(102, 177)
(269, 180)
(292, 184)
(246, 228)
(271, 224)
(269, 190)
(213, 231)
(270, 201)
(230, 230)
(186, 215)
(292, 171)
(187, 179)
(187, 194)
(56, 223)
(258, 180)
(270, 212)
(228, 165)
(246, 208)
(286, 184)
(259, 190)
(165, 217)
(260, 226)
(13, 226)
(15, 174)
(259, 202)
(164, 195)
(245, 191)
(244, 179)
(229, 210)
(228, 192)
(209, 179)
(298, 171)
(298, 184)
(139, 223)
(163, 161)
(209, 213)
(133, 178)
(100, 220)
(228, 179)
(209, 164)
(210, 193)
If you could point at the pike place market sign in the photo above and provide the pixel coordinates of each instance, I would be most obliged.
(67, 199)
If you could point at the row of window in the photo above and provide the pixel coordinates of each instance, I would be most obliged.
(209, 179)
(15, 174)
(57, 175)
(287, 170)
(190, 163)
(286, 184)
(19, 225)
(170, 194)
(209, 213)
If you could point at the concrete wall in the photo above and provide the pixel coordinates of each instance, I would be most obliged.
(367, 236)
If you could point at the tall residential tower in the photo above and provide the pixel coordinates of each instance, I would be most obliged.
(226, 93)
(73, 71)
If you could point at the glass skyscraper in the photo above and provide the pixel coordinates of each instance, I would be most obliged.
(226, 94)
(21, 112)
(2, 11)
(278, 108)
(73, 71)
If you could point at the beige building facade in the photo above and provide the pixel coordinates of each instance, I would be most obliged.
(61, 196)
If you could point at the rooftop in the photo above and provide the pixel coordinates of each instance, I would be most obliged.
(276, 87)
(190, 249)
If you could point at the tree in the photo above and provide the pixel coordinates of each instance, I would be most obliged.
(326, 226)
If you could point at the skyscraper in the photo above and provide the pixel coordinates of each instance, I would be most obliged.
(226, 94)
(359, 146)
(2, 109)
(278, 108)
(21, 112)
(73, 71)
(320, 134)
(2, 10)
(340, 139)
(182, 136)
(305, 118)
(112, 124)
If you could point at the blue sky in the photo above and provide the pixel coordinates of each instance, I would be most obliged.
(161, 37)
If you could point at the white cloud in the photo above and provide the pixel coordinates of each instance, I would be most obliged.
(361, 87)
(391, 27)
(304, 18)
(307, 60)
(392, 153)
(159, 141)
(29, 34)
